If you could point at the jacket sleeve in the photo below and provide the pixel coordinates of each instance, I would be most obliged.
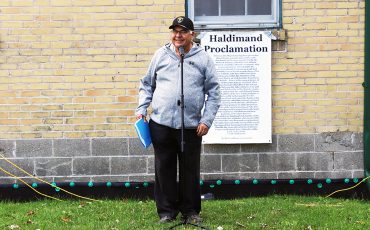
(147, 87)
(212, 91)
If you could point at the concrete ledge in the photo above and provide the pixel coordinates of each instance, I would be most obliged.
(325, 155)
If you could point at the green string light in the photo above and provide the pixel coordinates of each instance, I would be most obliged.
(201, 182)
(54, 185)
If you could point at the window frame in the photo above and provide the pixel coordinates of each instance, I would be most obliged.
(236, 22)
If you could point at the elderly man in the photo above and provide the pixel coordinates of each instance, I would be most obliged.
(161, 87)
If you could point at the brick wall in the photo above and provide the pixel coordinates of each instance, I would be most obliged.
(70, 69)
(317, 81)
(69, 72)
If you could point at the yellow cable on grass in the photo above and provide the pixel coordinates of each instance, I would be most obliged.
(82, 197)
(341, 190)
(14, 176)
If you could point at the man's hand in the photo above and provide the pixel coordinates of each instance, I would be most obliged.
(202, 129)
(139, 116)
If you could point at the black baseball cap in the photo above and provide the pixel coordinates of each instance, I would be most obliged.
(183, 22)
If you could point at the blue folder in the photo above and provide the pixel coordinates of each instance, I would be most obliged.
(143, 132)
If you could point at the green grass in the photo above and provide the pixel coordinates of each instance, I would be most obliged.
(272, 212)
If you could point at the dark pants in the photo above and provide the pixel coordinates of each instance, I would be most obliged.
(170, 197)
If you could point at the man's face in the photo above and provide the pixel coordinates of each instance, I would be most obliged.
(181, 37)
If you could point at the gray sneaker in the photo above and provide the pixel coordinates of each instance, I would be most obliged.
(193, 219)
(166, 219)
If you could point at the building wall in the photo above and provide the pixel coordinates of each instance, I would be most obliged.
(69, 72)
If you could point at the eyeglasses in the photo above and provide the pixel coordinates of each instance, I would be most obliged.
(181, 32)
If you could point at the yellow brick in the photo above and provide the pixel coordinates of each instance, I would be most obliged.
(125, 2)
(348, 33)
(314, 12)
(337, 12)
(329, 33)
(295, 109)
(326, 74)
(74, 135)
(295, 123)
(105, 127)
(284, 75)
(5, 3)
(315, 81)
(121, 133)
(326, 102)
(333, 81)
(40, 114)
(62, 128)
(360, 12)
(145, 2)
(332, 122)
(95, 134)
(59, 86)
(95, 79)
(326, 88)
(327, 116)
(83, 127)
(62, 114)
(347, 74)
(31, 135)
(326, 19)
(30, 121)
(316, 123)
(51, 135)
(336, 108)
(306, 61)
(315, 26)
(356, 80)
(329, 60)
(104, 100)
(84, 114)
(319, 67)
(283, 103)
(283, 130)
(306, 88)
(105, 2)
(347, 5)
(83, 120)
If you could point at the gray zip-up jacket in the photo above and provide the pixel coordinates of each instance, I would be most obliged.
(161, 86)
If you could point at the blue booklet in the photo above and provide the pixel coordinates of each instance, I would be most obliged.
(143, 132)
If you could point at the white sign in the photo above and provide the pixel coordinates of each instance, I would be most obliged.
(243, 63)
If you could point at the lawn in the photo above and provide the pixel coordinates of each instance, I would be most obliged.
(269, 212)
